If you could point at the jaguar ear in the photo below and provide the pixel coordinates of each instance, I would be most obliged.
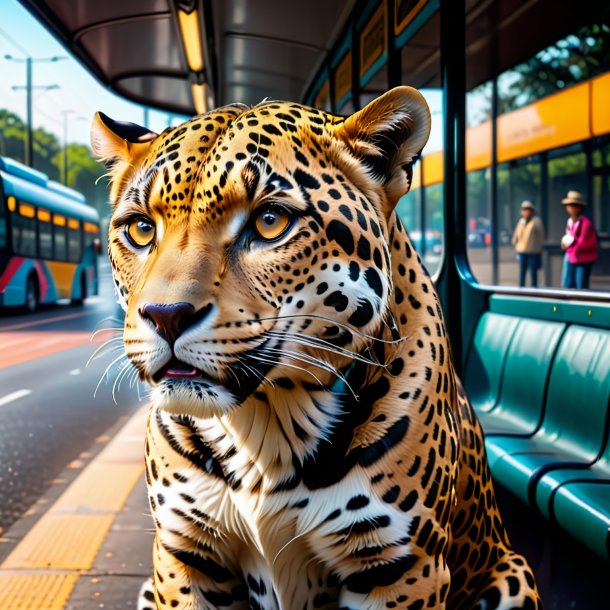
(118, 144)
(387, 136)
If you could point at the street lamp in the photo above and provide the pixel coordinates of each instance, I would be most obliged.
(29, 61)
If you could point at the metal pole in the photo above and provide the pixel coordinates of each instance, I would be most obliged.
(65, 181)
(453, 69)
(29, 147)
(493, 187)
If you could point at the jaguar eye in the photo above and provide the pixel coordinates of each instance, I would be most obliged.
(140, 232)
(271, 223)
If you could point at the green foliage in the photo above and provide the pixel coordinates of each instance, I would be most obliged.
(574, 59)
(83, 169)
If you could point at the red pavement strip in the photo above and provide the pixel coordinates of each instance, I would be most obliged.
(23, 346)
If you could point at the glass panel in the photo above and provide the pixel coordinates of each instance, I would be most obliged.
(517, 183)
(74, 246)
(553, 86)
(24, 235)
(433, 243)
(45, 240)
(3, 235)
(478, 183)
(375, 87)
(409, 209)
(59, 242)
(479, 224)
(420, 59)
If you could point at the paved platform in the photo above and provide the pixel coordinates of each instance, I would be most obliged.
(88, 543)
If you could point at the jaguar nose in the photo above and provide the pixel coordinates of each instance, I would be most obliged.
(169, 320)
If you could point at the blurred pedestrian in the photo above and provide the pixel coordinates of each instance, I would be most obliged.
(528, 240)
(579, 243)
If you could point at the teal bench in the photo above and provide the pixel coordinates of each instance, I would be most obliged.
(543, 400)
(574, 424)
(527, 365)
(485, 360)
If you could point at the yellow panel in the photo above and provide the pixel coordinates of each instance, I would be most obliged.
(322, 97)
(63, 275)
(35, 591)
(73, 224)
(91, 228)
(343, 77)
(27, 210)
(404, 12)
(433, 168)
(61, 542)
(600, 102)
(557, 120)
(373, 39)
(100, 487)
(59, 220)
(12, 203)
(478, 146)
(44, 215)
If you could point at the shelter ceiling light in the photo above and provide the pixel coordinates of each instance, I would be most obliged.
(199, 97)
(191, 35)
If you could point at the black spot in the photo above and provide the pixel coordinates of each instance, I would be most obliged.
(364, 248)
(337, 300)
(306, 180)
(363, 314)
(394, 435)
(391, 495)
(354, 271)
(383, 575)
(337, 231)
(346, 212)
(357, 502)
(374, 281)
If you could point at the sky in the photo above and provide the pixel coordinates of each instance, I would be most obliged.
(79, 92)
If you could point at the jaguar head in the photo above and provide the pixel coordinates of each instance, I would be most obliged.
(249, 246)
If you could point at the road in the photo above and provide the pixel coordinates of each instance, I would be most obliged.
(49, 416)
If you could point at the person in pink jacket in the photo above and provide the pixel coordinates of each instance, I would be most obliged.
(579, 243)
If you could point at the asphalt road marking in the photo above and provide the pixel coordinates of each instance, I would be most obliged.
(5, 400)
(50, 320)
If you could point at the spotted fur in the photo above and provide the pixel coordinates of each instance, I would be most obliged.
(326, 455)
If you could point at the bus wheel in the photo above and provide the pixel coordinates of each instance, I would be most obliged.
(83, 291)
(31, 295)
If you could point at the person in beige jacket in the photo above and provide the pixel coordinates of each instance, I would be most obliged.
(528, 240)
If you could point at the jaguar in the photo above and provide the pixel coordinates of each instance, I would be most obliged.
(309, 444)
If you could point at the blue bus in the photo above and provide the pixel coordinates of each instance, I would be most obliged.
(49, 240)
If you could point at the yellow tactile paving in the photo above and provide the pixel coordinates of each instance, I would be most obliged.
(69, 536)
(64, 542)
(103, 487)
(35, 591)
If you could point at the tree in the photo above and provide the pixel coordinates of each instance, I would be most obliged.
(83, 169)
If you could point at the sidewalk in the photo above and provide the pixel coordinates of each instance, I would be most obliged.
(92, 547)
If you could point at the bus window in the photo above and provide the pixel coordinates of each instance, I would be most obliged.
(59, 237)
(45, 234)
(3, 236)
(24, 230)
(74, 241)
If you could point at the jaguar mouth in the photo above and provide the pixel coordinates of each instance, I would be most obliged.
(176, 369)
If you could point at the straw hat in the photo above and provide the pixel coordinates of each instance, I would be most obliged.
(527, 205)
(574, 198)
